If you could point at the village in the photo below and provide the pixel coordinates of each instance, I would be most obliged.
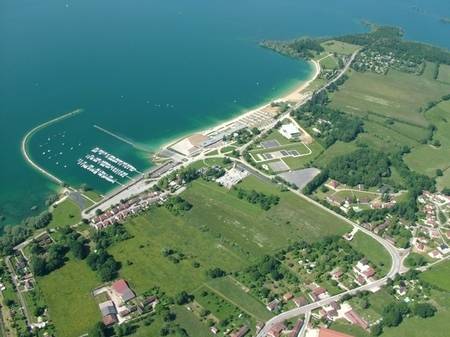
(432, 234)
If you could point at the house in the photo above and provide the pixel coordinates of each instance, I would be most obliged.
(363, 269)
(241, 332)
(296, 329)
(109, 320)
(335, 305)
(322, 313)
(107, 308)
(369, 272)
(121, 289)
(290, 131)
(435, 254)
(447, 234)
(214, 330)
(360, 280)
(331, 333)
(273, 305)
(319, 291)
(443, 249)
(300, 301)
(334, 183)
(124, 311)
(335, 275)
(259, 326)
(419, 246)
(276, 330)
(401, 291)
(381, 227)
(354, 318)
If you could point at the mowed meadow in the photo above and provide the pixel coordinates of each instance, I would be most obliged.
(221, 231)
(397, 95)
(394, 111)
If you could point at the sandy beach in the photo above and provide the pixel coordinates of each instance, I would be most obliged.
(292, 96)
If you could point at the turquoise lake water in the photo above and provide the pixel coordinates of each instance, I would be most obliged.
(153, 70)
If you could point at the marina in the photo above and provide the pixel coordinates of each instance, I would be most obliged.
(106, 166)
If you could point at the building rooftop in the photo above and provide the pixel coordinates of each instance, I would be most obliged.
(332, 333)
(122, 289)
(107, 308)
(109, 319)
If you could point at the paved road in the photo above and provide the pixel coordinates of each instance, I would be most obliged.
(396, 255)
(305, 324)
(343, 71)
(429, 265)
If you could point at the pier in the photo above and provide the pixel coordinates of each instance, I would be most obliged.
(122, 139)
(30, 133)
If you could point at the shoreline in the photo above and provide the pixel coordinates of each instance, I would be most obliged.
(291, 95)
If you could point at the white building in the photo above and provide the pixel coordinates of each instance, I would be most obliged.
(290, 131)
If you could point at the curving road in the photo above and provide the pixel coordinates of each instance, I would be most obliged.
(396, 268)
(397, 256)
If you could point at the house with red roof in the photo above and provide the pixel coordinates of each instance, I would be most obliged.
(121, 289)
(331, 333)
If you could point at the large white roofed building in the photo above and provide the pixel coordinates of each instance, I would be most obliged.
(290, 131)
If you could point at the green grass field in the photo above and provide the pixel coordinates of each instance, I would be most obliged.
(444, 73)
(342, 195)
(352, 330)
(212, 153)
(373, 251)
(438, 276)
(397, 95)
(444, 181)
(333, 46)
(184, 319)
(335, 150)
(227, 149)
(437, 326)
(383, 138)
(190, 322)
(425, 158)
(296, 163)
(430, 69)
(158, 229)
(93, 195)
(229, 290)
(67, 292)
(65, 214)
(329, 62)
(220, 231)
(276, 135)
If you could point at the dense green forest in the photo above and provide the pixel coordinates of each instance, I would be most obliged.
(300, 48)
(333, 124)
(363, 166)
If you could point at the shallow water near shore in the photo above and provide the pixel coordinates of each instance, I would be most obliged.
(150, 71)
